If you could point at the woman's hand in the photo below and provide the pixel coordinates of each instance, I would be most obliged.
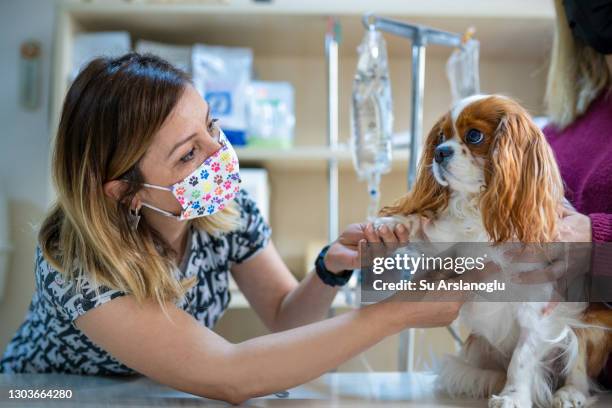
(428, 313)
(574, 227)
(572, 259)
(344, 252)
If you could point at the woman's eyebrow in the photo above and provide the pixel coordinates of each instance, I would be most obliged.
(179, 144)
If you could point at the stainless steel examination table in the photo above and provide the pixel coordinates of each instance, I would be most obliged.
(330, 390)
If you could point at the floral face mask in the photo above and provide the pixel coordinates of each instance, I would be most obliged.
(209, 188)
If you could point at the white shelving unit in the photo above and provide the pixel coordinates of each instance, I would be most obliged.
(287, 38)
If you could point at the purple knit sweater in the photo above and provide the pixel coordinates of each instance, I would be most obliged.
(584, 153)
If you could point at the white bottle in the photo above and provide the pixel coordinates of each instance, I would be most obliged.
(372, 115)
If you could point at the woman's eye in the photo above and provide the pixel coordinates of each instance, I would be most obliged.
(474, 136)
(188, 156)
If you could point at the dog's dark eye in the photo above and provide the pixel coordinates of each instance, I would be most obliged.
(474, 136)
(441, 138)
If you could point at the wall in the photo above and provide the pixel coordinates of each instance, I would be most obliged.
(24, 149)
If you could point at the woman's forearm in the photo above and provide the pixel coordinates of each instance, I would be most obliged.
(282, 360)
(308, 302)
(175, 349)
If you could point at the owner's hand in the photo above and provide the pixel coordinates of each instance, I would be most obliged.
(572, 261)
(344, 252)
(574, 227)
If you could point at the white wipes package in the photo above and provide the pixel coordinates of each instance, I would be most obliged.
(88, 46)
(177, 55)
(222, 76)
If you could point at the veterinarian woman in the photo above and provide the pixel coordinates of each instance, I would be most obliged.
(150, 219)
(579, 102)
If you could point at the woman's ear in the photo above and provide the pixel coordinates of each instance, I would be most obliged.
(524, 186)
(115, 189)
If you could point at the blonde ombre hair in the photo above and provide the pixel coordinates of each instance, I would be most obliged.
(109, 117)
(576, 76)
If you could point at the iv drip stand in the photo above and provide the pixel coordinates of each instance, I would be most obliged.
(420, 36)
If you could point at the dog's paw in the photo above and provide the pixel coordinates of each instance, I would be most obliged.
(390, 222)
(509, 401)
(570, 397)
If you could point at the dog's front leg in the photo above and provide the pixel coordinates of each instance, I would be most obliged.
(575, 391)
(523, 366)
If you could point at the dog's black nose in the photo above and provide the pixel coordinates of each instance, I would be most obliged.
(442, 152)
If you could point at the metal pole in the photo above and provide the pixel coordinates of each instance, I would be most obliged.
(331, 55)
(407, 338)
(416, 108)
(331, 47)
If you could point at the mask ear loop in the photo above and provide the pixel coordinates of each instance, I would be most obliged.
(163, 212)
(159, 210)
(157, 187)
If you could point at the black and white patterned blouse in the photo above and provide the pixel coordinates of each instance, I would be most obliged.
(49, 342)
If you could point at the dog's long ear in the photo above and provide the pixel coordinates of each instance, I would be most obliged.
(427, 197)
(523, 185)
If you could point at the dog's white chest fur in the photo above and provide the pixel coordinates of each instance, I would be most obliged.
(461, 222)
(511, 342)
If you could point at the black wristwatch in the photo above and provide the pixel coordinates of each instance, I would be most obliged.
(329, 278)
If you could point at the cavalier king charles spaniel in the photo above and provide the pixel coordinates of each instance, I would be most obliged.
(487, 174)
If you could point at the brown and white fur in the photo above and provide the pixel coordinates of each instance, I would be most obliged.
(506, 187)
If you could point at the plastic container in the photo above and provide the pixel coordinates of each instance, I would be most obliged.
(270, 112)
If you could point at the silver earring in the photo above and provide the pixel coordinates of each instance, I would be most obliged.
(134, 218)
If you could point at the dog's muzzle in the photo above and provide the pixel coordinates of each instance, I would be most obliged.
(443, 154)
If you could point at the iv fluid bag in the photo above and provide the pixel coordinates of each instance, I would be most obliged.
(372, 115)
(462, 71)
